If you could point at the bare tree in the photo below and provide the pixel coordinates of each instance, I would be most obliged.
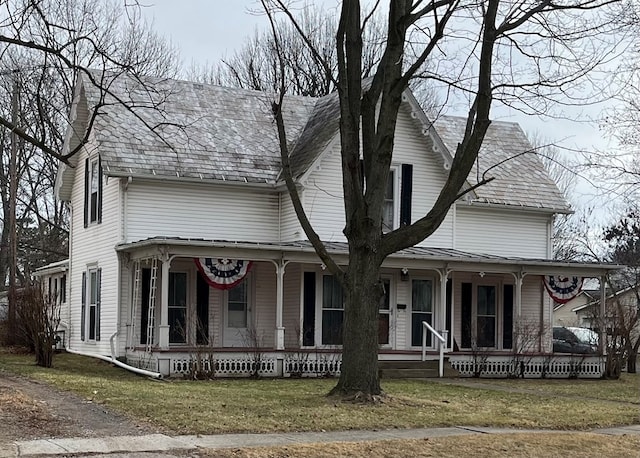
(44, 45)
(522, 53)
(623, 304)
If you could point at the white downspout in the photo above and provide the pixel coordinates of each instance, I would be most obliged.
(113, 360)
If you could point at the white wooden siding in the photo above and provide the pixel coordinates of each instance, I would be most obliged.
(264, 310)
(290, 229)
(93, 246)
(502, 232)
(171, 209)
(323, 191)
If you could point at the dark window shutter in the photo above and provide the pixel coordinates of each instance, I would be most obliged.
(406, 187)
(309, 309)
(507, 322)
(83, 310)
(362, 174)
(465, 314)
(87, 192)
(99, 211)
(98, 282)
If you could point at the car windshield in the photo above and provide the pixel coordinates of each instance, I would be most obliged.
(585, 335)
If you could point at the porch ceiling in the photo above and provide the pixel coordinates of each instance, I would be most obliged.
(412, 258)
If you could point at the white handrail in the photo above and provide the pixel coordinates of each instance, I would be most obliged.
(443, 343)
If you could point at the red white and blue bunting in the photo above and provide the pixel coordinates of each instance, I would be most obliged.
(562, 289)
(223, 273)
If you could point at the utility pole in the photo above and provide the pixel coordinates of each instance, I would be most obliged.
(13, 193)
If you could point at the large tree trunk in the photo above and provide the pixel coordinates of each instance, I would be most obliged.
(363, 292)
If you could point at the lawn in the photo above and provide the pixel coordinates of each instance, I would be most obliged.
(270, 405)
(488, 446)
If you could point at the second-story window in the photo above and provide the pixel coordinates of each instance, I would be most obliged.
(93, 191)
(389, 210)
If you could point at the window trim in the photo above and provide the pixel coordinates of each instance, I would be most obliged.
(87, 305)
(93, 214)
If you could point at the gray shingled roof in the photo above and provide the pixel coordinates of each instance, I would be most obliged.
(202, 131)
(520, 179)
(215, 133)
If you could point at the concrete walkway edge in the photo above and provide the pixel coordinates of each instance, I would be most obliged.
(164, 443)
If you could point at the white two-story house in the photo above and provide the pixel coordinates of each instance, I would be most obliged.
(183, 237)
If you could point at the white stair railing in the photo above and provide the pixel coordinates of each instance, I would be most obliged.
(442, 343)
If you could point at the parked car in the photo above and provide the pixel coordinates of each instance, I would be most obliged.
(574, 340)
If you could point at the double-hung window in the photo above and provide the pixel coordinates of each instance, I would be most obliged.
(90, 313)
(396, 209)
(389, 207)
(332, 311)
(93, 191)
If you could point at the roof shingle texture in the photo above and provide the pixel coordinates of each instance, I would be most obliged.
(189, 130)
(506, 154)
(181, 129)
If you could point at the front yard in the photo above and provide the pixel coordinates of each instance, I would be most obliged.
(222, 406)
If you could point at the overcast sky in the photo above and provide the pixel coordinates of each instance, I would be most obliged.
(206, 31)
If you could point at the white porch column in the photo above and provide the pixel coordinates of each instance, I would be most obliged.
(442, 320)
(279, 331)
(602, 328)
(517, 325)
(163, 334)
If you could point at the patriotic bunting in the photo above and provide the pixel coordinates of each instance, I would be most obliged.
(562, 289)
(223, 273)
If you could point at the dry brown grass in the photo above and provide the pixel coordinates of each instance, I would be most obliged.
(550, 445)
(20, 414)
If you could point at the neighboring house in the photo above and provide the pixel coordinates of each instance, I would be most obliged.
(53, 281)
(565, 314)
(159, 217)
(588, 314)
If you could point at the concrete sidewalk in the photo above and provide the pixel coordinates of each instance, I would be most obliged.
(163, 443)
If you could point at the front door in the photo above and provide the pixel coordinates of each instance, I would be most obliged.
(236, 319)
(421, 310)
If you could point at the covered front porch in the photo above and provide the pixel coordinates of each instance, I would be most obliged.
(280, 314)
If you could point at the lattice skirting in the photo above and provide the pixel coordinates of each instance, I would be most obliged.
(306, 365)
(228, 367)
(570, 366)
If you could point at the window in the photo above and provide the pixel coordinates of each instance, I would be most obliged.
(238, 305)
(63, 288)
(389, 209)
(332, 311)
(93, 191)
(480, 318)
(90, 313)
(177, 307)
(397, 200)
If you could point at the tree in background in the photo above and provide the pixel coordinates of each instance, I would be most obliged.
(521, 53)
(44, 45)
(622, 318)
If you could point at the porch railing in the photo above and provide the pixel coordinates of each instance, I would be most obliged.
(441, 345)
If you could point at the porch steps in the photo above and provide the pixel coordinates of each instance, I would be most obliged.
(414, 369)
